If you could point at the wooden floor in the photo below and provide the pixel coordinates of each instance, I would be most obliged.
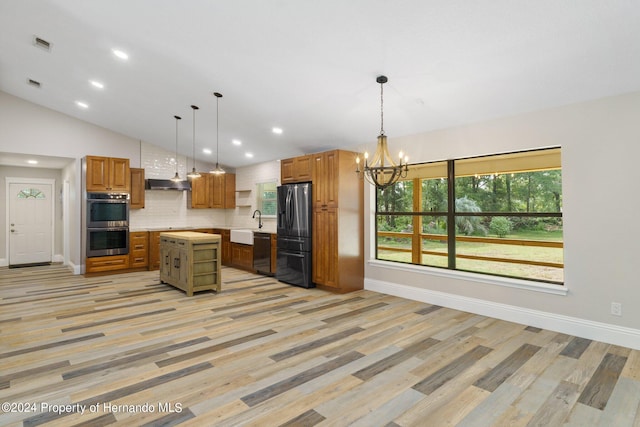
(131, 351)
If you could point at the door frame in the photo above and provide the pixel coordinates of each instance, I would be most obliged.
(14, 180)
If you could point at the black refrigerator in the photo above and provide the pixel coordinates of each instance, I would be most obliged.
(294, 234)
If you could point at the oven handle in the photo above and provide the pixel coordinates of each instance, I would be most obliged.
(293, 254)
(125, 228)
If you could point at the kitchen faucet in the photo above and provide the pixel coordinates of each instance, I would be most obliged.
(259, 217)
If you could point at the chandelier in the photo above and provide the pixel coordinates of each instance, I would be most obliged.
(382, 171)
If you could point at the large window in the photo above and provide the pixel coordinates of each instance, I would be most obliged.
(499, 215)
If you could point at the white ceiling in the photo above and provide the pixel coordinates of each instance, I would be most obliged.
(309, 66)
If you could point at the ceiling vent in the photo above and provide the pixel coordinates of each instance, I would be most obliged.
(34, 83)
(41, 43)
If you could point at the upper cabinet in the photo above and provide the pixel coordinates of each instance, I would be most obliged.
(223, 191)
(108, 174)
(325, 179)
(213, 191)
(198, 197)
(297, 169)
(137, 188)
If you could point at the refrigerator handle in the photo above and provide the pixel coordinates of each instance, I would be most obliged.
(289, 209)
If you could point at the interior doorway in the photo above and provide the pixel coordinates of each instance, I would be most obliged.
(30, 225)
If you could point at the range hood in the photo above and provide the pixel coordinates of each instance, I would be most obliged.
(166, 184)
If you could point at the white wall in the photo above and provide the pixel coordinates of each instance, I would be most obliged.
(246, 197)
(600, 143)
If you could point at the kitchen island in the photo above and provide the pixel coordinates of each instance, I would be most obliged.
(191, 261)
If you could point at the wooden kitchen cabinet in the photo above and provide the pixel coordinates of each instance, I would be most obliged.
(338, 223)
(222, 191)
(107, 174)
(213, 191)
(106, 263)
(190, 261)
(297, 169)
(137, 188)
(154, 250)
(226, 245)
(326, 173)
(138, 249)
(242, 256)
(198, 197)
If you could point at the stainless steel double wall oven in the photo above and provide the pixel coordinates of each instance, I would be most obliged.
(107, 224)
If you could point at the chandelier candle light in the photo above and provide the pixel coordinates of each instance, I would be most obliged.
(382, 171)
(194, 174)
(218, 170)
(176, 178)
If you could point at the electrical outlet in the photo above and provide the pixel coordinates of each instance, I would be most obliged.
(616, 308)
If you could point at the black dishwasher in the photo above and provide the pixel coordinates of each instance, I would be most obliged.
(262, 253)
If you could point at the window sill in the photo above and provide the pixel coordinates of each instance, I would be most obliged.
(528, 285)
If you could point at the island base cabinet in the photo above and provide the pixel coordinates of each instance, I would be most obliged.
(191, 261)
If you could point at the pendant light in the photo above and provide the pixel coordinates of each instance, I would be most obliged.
(218, 170)
(382, 171)
(194, 174)
(176, 177)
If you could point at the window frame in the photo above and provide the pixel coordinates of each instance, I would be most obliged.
(451, 214)
(260, 200)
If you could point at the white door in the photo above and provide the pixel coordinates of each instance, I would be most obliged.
(30, 222)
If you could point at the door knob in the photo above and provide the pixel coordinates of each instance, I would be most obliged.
(13, 231)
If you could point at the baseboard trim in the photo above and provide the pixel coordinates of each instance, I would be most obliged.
(4, 262)
(605, 332)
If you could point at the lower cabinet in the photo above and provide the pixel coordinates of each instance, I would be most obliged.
(138, 249)
(190, 261)
(106, 263)
(154, 250)
(242, 256)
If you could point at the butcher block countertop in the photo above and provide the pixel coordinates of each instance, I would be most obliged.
(191, 236)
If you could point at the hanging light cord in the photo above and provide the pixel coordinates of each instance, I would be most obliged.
(194, 135)
(177, 118)
(217, 129)
(381, 109)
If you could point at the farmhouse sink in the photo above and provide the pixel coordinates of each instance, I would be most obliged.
(243, 236)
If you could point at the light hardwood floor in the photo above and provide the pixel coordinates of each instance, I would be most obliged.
(132, 351)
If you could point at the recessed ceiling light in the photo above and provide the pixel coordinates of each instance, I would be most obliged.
(32, 162)
(206, 151)
(236, 142)
(276, 130)
(249, 155)
(96, 84)
(82, 104)
(120, 54)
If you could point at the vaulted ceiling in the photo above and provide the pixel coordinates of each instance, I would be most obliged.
(309, 67)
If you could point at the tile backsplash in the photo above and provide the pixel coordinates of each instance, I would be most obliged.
(168, 208)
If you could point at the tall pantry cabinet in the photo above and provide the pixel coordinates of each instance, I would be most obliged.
(338, 222)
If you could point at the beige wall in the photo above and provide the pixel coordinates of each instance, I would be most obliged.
(600, 143)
